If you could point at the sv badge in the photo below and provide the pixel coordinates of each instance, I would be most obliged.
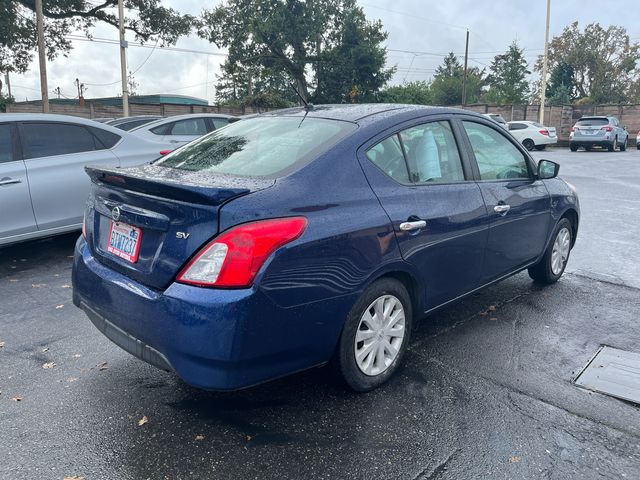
(182, 235)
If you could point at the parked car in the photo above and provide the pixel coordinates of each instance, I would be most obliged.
(532, 135)
(604, 132)
(182, 129)
(43, 186)
(129, 123)
(285, 240)
(499, 119)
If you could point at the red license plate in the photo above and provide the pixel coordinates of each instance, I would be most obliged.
(124, 241)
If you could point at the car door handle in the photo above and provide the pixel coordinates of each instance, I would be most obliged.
(502, 209)
(408, 226)
(9, 181)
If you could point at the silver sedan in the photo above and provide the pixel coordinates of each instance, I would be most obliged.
(43, 185)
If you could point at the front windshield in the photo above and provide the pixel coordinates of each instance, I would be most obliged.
(259, 147)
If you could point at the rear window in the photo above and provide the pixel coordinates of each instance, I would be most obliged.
(592, 122)
(259, 147)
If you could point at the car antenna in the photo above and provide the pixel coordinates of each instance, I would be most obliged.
(307, 106)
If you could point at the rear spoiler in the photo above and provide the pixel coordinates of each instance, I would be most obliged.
(144, 181)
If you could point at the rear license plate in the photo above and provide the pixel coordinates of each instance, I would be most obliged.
(124, 241)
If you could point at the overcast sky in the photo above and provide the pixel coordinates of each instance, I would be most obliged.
(421, 32)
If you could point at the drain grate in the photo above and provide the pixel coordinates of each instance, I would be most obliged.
(613, 372)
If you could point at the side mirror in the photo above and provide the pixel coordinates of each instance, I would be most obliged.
(547, 169)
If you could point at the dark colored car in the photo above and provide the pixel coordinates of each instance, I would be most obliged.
(283, 241)
(604, 132)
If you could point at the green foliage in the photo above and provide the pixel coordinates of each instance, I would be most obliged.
(560, 88)
(601, 63)
(62, 17)
(446, 88)
(507, 79)
(417, 93)
(4, 101)
(326, 46)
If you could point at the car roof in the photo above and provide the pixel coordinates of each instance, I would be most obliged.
(364, 113)
(48, 117)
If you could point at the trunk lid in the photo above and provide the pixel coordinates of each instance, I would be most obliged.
(168, 214)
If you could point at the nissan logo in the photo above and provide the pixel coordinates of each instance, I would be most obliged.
(115, 213)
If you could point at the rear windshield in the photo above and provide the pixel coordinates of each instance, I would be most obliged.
(259, 147)
(592, 122)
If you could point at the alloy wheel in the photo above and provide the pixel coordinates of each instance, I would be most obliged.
(380, 334)
(560, 252)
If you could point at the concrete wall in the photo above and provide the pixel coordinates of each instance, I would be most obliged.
(96, 110)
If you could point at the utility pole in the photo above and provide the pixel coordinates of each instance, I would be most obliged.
(6, 78)
(464, 78)
(123, 61)
(543, 82)
(42, 57)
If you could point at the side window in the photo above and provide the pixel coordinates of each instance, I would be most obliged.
(388, 156)
(219, 122)
(517, 126)
(49, 139)
(432, 153)
(162, 129)
(191, 126)
(497, 157)
(6, 146)
(106, 139)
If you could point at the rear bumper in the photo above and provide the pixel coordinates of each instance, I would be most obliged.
(213, 339)
(585, 141)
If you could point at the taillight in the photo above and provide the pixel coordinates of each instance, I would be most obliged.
(607, 128)
(544, 132)
(165, 152)
(573, 129)
(234, 258)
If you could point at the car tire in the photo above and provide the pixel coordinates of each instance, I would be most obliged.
(540, 147)
(552, 264)
(367, 371)
(623, 146)
(528, 144)
(573, 148)
(587, 148)
(612, 147)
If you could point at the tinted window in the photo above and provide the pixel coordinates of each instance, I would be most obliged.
(267, 146)
(134, 124)
(517, 126)
(388, 156)
(6, 148)
(592, 122)
(106, 139)
(49, 139)
(162, 129)
(220, 122)
(432, 153)
(496, 156)
(192, 126)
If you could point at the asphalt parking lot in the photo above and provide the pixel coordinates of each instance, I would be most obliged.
(486, 390)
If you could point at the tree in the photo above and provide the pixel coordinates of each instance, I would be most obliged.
(62, 17)
(417, 93)
(312, 42)
(132, 85)
(560, 88)
(256, 86)
(603, 61)
(507, 79)
(446, 88)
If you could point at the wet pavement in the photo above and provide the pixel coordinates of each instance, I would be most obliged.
(485, 392)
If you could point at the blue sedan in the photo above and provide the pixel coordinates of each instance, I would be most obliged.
(312, 234)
